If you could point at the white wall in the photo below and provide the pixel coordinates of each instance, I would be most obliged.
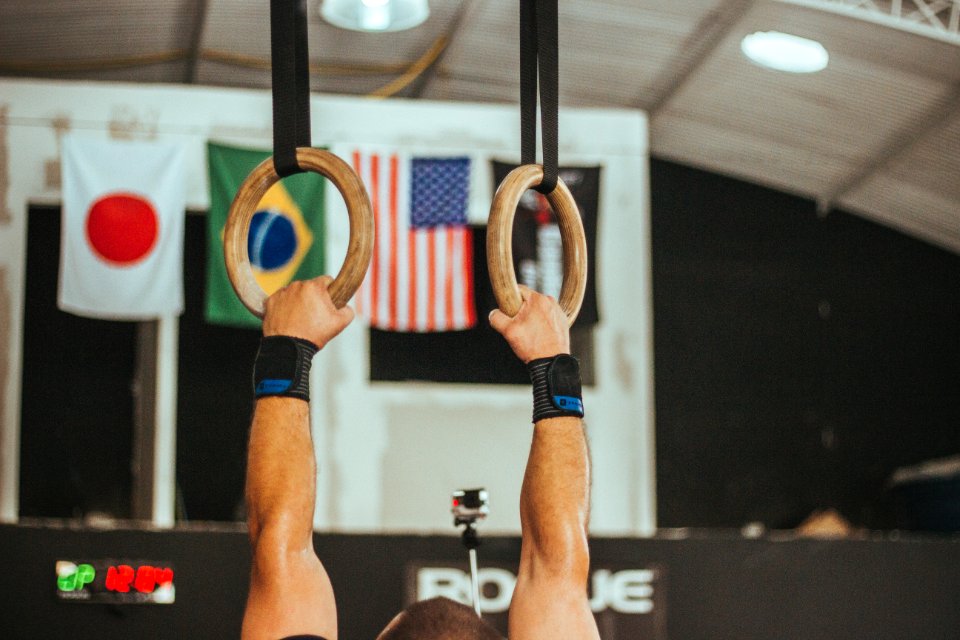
(389, 454)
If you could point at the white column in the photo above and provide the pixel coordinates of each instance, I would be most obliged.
(165, 424)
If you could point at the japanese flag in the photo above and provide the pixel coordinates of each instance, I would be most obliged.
(121, 251)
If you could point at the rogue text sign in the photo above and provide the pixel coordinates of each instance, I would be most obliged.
(628, 602)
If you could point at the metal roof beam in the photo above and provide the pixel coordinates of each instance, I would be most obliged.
(196, 40)
(938, 19)
(898, 144)
(709, 33)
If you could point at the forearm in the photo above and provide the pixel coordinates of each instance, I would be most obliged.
(555, 498)
(290, 591)
(281, 475)
(550, 598)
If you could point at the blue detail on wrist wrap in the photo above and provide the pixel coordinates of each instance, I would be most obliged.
(568, 403)
(272, 386)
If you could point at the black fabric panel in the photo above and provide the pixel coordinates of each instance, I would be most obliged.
(479, 355)
(76, 413)
(214, 398)
(476, 355)
(798, 360)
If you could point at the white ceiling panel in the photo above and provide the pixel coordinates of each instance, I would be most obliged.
(71, 31)
(743, 153)
(468, 90)
(238, 27)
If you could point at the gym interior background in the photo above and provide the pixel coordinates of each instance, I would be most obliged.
(846, 286)
(778, 284)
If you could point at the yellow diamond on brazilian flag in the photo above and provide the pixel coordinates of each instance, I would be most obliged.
(285, 239)
(278, 239)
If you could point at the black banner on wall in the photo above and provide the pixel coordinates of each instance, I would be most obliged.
(537, 255)
(629, 602)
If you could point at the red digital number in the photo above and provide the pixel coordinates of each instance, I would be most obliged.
(120, 578)
(164, 576)
(145, 579)
(146, 582)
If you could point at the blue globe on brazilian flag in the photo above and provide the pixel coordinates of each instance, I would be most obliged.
(285, 240)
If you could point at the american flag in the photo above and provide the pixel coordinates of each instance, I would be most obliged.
(421, 274)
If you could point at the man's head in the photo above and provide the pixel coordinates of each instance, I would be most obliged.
(438, 619)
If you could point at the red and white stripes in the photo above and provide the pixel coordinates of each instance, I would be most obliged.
(420, 279)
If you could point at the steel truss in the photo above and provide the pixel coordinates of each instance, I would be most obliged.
(940, 15)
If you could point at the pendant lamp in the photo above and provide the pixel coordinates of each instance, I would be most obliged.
(375, 15)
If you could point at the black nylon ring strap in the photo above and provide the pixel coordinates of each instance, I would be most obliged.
(291, 83)
(539, 66)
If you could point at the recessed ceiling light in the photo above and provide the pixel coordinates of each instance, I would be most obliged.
(375, 15)
(784, 52)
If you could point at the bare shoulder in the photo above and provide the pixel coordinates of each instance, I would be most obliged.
(551, 606)
(290, 594)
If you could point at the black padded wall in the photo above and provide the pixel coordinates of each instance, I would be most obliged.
(798, 359)
(708, 587)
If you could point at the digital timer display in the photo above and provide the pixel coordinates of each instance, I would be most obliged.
(115, 581)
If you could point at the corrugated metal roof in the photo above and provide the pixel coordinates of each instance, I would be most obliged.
(878, 131)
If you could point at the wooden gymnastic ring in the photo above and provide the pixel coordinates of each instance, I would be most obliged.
(253, 188)
(500, 241)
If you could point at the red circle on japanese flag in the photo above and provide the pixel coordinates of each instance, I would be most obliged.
(122, 228)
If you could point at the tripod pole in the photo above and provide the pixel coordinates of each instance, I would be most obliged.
(475, 580)
(471, 541)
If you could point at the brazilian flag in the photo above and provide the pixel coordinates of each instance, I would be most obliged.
(285, 240)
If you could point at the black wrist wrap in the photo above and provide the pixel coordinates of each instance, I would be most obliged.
(556, 387)
(282, 367)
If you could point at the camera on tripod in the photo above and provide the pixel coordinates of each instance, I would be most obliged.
(469, 505)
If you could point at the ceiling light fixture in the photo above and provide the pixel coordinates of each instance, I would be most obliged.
(375, 15)
(784, 52)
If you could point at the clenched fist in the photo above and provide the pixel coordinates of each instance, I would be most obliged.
(303, 309)
(539, 330)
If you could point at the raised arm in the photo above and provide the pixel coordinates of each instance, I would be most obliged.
(290, 593)
(550, 600)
